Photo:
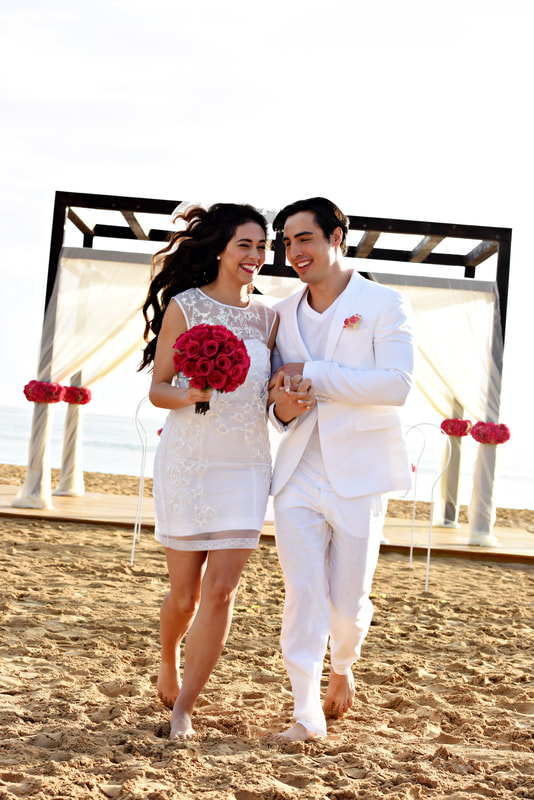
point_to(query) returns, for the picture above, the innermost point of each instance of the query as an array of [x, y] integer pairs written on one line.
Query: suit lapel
[[347, 306]]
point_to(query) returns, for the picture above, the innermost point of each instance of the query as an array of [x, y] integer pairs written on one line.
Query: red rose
[[210, 348], [217, 380], [203, 332], [198, 382], [223, 363], [240, 356], [203, 366], [192, 349], [220, 333], [188, 366], [228, 348], [237, 377]]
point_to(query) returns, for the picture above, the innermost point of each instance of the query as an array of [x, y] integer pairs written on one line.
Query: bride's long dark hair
[[190, 260]]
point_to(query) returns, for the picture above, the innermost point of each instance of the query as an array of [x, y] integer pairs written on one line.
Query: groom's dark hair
[[327, 215]]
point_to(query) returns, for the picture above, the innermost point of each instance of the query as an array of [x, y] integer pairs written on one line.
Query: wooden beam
[[480, 253], [135, 225], [80, 224], [386, 225], [383, 254], [366, 243], [122, 203], [122, 232], [424, 247]]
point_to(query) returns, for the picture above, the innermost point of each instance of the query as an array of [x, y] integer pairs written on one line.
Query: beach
[[444, 704]]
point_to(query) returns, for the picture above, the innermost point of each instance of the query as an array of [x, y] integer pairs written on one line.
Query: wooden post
[[452, 476]]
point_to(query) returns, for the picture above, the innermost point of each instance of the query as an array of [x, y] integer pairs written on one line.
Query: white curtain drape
[[91, 325], [460, 352]]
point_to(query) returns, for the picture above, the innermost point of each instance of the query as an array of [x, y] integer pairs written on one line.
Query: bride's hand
[[197, 395]]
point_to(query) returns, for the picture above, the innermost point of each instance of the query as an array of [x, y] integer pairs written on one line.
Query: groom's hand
[[294, 369], [291, 394]]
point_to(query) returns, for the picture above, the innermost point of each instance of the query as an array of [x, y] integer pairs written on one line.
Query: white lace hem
[[182, 543]]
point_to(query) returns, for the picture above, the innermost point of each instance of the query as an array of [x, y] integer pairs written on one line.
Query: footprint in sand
[[114, 689], [48, 740], [524, 708]]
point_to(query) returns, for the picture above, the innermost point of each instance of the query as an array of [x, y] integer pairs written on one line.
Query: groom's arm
[[388, 383]]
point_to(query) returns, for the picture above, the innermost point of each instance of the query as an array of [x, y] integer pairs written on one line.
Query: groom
[[340, 455]]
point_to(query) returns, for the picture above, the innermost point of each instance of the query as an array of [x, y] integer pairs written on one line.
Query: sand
[[444, 704]]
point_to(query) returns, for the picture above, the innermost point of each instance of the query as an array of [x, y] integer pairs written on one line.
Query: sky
[[410, 110]]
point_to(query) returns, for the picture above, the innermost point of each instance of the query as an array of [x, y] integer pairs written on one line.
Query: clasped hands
[[292, 394]]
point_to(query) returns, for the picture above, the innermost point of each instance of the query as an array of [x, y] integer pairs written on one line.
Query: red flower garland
[[44, 392], [211, 356], [456, 427], [490, 433], [77, 395]]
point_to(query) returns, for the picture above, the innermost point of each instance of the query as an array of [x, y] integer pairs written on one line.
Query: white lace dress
[[212, 472]]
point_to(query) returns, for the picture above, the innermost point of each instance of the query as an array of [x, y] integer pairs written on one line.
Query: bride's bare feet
[[168, 683], [298, 733], [339, 695], [181, 727]]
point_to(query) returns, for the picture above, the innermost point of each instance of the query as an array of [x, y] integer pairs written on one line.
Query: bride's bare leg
[[208, 633], [176, 616]]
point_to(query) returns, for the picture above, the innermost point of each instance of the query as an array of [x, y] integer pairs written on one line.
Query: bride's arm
[[162, 393]]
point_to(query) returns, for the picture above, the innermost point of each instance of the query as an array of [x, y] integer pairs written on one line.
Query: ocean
[[112, 444]]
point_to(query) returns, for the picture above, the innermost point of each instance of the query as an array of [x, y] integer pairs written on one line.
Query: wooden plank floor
[[515, 544]]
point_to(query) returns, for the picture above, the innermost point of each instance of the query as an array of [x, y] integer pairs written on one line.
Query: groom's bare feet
[[298, 733], [339, 695], [181, 727], [168, 683]]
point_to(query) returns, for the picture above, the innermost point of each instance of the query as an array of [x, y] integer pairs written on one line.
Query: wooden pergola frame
[[481, 242], [491, 240]]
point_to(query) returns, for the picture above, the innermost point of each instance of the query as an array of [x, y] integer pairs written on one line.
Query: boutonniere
[[353, 323]]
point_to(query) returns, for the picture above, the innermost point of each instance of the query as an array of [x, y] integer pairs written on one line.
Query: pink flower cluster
[[212, 357], [353, 323], [456, 427], [44, 392], [77, 395], [482, 432], [490, 433]]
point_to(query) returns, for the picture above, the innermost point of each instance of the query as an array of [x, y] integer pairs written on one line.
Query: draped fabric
[[93, 323], [459, 366]]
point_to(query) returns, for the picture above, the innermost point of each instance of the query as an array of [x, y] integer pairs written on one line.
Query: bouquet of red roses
[[212, 357]]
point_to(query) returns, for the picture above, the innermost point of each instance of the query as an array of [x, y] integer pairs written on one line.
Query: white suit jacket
[[364, 375]]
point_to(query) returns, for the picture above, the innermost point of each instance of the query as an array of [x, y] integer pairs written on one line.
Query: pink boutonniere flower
[[353, 323]]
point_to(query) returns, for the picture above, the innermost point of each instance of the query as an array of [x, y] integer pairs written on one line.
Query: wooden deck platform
[[516, 545]]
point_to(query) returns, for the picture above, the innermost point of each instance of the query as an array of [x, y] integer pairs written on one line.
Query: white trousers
[[328, 548]]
